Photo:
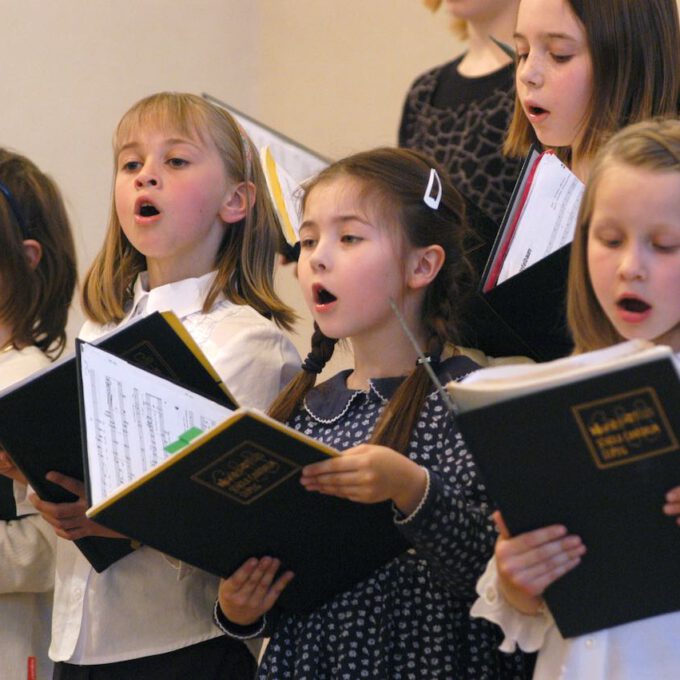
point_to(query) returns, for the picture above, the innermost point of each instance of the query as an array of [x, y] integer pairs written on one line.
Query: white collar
[[183, 297]]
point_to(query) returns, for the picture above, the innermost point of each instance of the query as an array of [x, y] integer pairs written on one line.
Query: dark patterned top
[[461, 123], [410, 619]]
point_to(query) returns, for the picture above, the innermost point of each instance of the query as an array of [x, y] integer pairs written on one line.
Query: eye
[[350, 238], [561, 58], [521, 55], [307, 243], [130, 166], [666, 248], [177, 162]]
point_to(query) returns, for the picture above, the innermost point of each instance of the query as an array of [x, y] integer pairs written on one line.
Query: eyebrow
[[339, 218], [172, 141], [549, 35]]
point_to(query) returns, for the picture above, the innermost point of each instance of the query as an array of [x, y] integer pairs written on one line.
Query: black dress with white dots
[[410, 619]]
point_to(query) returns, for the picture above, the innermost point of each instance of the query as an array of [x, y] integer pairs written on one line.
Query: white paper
[[498, 383], [130, 416], [548, 218]]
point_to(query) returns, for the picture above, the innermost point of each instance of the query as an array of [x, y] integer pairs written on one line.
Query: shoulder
[[16, 365], [456, 368], [91, 330], [228, 320], [432, 75]]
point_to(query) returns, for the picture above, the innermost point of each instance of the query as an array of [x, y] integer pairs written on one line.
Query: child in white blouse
[[37, 279], [624, 280], [192, 229]]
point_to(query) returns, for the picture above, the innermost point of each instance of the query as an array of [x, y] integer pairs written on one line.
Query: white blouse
[[27, 559], [648, 649], [145, 604]]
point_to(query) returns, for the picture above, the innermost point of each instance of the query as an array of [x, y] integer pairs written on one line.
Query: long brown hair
[[393, 182], [650, 145], [246, 257], [635, 52], [35, 300]]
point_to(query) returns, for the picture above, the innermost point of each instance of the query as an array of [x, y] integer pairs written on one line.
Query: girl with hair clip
[[37, 279], [624, 280], [377, 227], [586, 68], [192, 230]]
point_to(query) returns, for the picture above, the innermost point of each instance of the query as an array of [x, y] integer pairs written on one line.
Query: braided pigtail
[[294, 393]]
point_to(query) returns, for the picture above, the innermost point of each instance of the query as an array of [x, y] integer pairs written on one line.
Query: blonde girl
[[191, 230], [624, 280]]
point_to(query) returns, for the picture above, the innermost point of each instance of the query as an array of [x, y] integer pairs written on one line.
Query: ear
[[237, 202], [423, 265], [33, 251]]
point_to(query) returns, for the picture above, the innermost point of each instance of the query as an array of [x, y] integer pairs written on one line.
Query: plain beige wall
[[330, 74]]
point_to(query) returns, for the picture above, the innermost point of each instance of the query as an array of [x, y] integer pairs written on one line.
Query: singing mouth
[[322, 296], [536, 110], [635, 305], [146, 209]]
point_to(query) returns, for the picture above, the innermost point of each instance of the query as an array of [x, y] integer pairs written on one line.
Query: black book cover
[[40, 417], [8, 506], [525, 314], [235, 493], [598, 456]]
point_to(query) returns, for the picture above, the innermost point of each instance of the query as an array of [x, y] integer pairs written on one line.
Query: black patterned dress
[[461, 123], [410, 619]]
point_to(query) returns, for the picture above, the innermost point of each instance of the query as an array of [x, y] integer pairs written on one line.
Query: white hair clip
[[429, 199]]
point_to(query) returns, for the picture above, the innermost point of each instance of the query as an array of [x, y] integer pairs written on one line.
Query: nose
[[632, 265], [319, 259], [147, 177], [530, 71]]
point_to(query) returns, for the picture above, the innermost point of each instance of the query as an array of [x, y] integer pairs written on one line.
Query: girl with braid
[[379, 227]]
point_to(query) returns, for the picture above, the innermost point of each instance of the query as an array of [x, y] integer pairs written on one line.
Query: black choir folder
[[40, 417], [590, 442], [520, 306], [233, 492]]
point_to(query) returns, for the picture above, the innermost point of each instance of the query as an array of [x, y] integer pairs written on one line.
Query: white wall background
[[331, 74]]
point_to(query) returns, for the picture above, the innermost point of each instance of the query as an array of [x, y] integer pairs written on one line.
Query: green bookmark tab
[[183, 440]]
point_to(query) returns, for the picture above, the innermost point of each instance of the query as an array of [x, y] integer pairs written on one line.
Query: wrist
[[413, 490], [531, 605]]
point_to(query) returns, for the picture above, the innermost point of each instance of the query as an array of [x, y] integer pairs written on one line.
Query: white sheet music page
[[130, 416], [548, 219]]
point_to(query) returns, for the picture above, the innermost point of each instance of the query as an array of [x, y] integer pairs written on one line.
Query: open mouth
[[323, 296], [147, 210], [634, 305], [537, 110]]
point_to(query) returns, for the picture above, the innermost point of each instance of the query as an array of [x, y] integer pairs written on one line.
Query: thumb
[[500, 524]]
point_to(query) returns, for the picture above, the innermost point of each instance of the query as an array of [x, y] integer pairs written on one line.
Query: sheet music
[[130, 416], [301, 163], [548, 219]]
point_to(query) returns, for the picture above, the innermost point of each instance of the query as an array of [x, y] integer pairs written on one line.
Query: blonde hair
[[635, 52], [35, 300], [458, 27], [651, 145], [245, 259]]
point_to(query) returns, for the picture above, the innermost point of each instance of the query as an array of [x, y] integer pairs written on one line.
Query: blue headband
[[15, 209]]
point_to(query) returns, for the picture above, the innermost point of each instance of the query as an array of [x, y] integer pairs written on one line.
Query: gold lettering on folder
[[145, 355], [246, 472], [625, 428]]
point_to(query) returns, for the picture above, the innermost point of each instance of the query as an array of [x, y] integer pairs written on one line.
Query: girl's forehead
[[160, 123], [343, 195]]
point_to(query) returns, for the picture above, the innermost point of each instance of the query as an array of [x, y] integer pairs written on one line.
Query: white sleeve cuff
[[399, 517], [523, 630]]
